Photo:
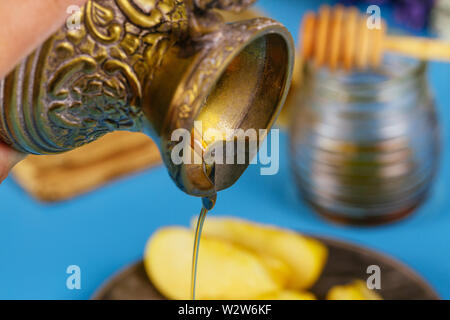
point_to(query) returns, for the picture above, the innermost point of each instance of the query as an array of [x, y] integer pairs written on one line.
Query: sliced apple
[[305, 256], [288, 295], [357, 290], [225, 271], [278, 269]]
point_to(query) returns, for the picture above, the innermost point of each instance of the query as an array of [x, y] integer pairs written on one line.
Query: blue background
[[107, 229]]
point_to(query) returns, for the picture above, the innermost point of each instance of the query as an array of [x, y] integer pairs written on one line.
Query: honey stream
[[208, 204]]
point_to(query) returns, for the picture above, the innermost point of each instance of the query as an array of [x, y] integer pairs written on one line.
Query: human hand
[[25, 25]]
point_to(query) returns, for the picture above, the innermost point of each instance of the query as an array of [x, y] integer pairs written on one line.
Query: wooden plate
[[346, 262]]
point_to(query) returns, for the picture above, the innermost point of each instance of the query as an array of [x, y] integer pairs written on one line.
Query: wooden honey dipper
[[339, 37]]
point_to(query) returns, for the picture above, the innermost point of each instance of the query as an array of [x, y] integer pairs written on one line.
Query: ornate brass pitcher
[[152, 66]]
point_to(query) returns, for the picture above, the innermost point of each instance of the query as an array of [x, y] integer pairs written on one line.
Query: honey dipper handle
[[422, 48]]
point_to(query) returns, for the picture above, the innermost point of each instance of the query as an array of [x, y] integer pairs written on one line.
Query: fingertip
[[26, 24], [8, 159]]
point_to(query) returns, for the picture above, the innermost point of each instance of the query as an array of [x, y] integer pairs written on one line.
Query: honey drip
[[208, 204]]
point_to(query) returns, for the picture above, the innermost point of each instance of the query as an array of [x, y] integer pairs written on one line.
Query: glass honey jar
[[365, 145]]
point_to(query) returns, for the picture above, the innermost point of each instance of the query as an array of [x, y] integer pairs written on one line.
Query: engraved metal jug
[[153, 66]]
